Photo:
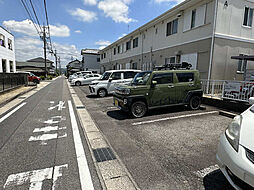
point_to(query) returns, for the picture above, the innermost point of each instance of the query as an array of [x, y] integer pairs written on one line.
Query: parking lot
[[171, 148]]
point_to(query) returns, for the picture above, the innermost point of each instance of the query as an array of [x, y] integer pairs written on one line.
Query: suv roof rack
[[174, 66]]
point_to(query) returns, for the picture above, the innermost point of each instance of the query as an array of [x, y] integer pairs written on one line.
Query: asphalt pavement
[[172, 148], [37, 149]]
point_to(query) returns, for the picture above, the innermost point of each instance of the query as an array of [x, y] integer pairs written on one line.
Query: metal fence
[[231, 90], [12, 80]]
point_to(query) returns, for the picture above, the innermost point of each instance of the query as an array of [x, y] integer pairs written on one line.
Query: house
[[204, 33], [7, 52], [73, 67], [90, 60], [36, 66]]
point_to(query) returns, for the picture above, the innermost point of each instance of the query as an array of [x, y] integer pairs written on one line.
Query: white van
[[106, 84]]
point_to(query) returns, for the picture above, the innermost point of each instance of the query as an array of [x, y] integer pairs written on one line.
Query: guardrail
[[12, 80], [231, 90]]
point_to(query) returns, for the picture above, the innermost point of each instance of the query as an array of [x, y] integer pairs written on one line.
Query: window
[[185, 77], [2, 40], [134, 66], [98, 59], [118, 49], [11, 66], [116, 76], [135, 43], [172, 27], [114, 51], [156, 31], [248, 17], [193, 18], [170, 60], [10, 44], [104, 55], [101, 56], [242, 65], [129, 75], [128, 45], [164, 78]]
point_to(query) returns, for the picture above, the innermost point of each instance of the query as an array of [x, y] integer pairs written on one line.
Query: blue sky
[[77, 24]]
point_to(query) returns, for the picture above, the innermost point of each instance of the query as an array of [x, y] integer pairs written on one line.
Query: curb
[[227, 114], [112, 173], [14, 97]]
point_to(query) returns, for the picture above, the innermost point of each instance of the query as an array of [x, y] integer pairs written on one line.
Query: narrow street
[[38, 143]]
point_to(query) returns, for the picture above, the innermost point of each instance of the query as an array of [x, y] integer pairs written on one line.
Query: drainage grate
[[80, 107], [103, 154]]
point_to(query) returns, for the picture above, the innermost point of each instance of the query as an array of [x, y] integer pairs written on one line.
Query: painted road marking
[[59, 106], [11, 112], [202, 173], [35, 177], [48, 129], [54, 120], [173, 118], [84, 173]]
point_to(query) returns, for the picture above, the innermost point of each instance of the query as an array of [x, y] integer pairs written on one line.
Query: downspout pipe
[[212, 46]]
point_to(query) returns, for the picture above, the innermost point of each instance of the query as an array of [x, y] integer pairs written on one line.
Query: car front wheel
[[138, 109], [78, 83], [195, 102], [102, 93]]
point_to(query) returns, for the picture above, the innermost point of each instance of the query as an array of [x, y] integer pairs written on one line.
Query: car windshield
[[141, 78], [105, 76]]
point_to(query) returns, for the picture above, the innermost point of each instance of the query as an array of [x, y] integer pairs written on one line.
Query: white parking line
[[202, 173], [11, 112], [176, 117], [84, 173]]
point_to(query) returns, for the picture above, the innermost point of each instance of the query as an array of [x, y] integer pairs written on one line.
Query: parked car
[[155, 89], [78, 74], [87, 79], [33, 78], [235, 155], [106, 84]]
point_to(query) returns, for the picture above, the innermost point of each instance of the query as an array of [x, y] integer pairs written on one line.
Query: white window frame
[[248, 22]]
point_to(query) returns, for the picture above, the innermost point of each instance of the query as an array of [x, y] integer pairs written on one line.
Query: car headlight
[[127, 91], [233, 132]]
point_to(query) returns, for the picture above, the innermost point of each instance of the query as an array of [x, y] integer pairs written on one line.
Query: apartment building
[[7, 52], [204, 33], [90, 60]]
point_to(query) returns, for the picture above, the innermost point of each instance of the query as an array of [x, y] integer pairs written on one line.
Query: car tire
[[195, 102], [78, 83], [36, 81], [138, 109], [102, 93]]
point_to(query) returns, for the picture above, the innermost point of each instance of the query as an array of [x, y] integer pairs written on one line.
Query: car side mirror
[[251, 100], [154, 82], [110, 79]]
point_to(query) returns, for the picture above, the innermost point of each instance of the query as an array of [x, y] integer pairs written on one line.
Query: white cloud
[[28, 48], [102, 44], [168, 1], [90, 2], [78, 31], [118, 10], [83, 15], [27, 27]]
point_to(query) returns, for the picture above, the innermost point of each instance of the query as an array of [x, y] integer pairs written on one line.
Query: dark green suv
[[155, 89]]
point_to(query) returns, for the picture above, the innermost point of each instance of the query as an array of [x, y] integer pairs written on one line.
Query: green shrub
[[49, 77], [42, 77]]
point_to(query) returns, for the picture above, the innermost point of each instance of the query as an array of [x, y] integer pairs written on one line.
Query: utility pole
[[45, 44], [60, 72], [56, 60]]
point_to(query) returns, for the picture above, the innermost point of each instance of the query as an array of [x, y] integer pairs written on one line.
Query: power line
[[46, 13], [38, 22], [29, 14]]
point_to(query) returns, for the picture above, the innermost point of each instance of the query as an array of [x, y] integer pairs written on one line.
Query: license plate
[[116, 103]]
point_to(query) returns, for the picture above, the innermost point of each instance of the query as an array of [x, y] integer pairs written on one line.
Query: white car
[[235, 155], [83, 80], [79, 74], [108, 81]]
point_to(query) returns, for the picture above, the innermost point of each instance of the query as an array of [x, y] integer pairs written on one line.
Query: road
[[171, 148], [46, 143], [39, 143]]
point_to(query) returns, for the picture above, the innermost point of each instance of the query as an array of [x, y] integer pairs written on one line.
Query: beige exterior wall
[[223, 66]]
